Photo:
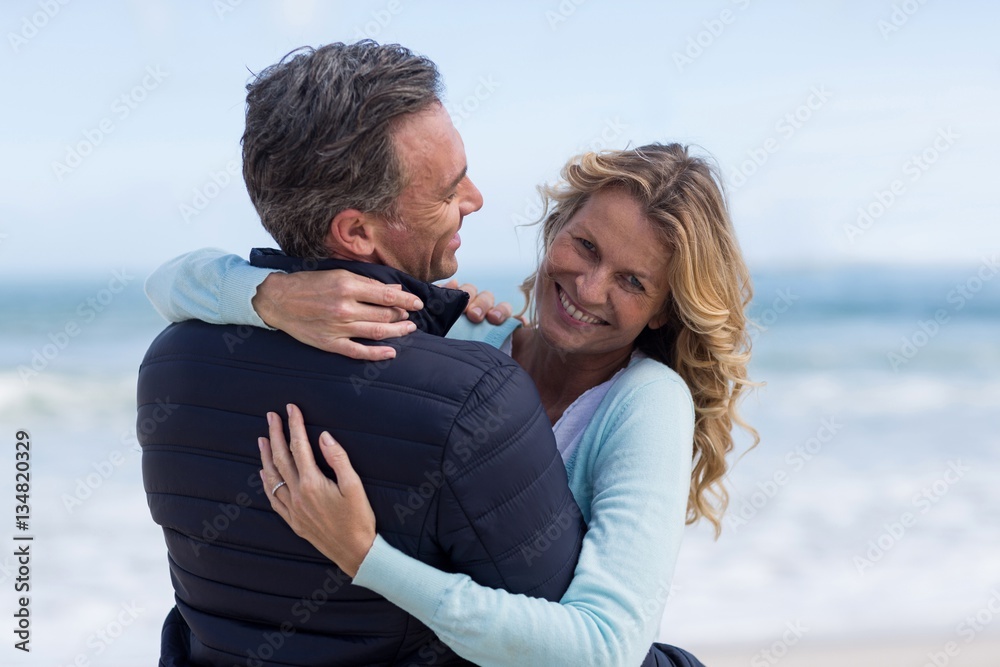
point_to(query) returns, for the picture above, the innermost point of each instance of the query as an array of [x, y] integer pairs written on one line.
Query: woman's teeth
[[576, 314]]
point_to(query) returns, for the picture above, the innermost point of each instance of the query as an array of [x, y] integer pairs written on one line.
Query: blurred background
[[857, 141]]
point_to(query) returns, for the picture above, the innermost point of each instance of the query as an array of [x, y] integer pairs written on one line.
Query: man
[[351, 162]]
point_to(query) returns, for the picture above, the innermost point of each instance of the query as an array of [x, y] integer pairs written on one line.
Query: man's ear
[[351, 235]]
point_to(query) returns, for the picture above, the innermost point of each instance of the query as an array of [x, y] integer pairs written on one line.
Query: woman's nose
[[591, 288]]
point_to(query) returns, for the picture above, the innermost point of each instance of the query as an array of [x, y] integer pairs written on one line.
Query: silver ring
[[276, 487]]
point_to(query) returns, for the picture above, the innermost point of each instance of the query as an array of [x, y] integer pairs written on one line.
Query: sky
[[847, 131]]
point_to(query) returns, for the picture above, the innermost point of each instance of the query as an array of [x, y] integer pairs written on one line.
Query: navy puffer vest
[[456, 454]]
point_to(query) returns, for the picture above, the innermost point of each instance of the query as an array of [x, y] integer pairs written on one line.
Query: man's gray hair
[[319, 137]]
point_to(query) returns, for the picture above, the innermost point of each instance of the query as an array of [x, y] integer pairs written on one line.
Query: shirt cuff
[[494, 335], [415, 587], [236, 292]]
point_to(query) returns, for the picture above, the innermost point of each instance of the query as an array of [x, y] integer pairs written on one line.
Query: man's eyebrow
[[454, 183]]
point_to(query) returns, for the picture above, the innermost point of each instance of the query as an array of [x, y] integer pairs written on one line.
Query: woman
[[639, 349]]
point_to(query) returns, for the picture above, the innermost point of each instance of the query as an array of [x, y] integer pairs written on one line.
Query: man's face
[[438, 195]]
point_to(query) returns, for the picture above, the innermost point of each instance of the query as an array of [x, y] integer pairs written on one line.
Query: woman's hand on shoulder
[[481, 304], [326, 309]]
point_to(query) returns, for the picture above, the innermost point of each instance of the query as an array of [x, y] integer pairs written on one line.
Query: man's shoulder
[[424, 362]]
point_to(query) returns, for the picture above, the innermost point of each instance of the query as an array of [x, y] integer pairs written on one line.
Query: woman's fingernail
[[290, 408], [496, 313], [261, 442], [411, 327], [326, 439], [478, 312], [417, 304], [270, 418]]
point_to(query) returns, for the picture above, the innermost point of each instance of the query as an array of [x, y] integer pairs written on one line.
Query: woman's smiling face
[[603, 279]]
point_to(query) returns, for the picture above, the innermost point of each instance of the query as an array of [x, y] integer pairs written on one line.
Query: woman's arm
[[610, 614], [207, 285], [323, 309]]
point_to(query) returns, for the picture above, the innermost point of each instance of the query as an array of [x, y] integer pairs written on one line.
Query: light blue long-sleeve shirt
[[630, 476]]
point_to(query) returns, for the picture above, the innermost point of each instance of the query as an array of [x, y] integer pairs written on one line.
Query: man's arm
[[506, 515]]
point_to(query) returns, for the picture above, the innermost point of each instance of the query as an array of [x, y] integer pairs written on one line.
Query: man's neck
[[442, 306]]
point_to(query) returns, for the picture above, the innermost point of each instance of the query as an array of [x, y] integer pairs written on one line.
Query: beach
[[863, 526], [887, 652]]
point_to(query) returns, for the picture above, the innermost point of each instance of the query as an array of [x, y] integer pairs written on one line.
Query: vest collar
[[442, 306]]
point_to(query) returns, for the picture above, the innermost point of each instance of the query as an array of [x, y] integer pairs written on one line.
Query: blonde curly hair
[[706, 339]]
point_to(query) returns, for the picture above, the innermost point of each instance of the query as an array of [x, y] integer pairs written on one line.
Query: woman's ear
[[659, 320], [663, 316], [351, 235]]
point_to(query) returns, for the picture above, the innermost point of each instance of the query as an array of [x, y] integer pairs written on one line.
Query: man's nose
[[472, 198]]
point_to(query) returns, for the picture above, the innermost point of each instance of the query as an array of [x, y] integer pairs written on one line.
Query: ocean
[[870, 508]]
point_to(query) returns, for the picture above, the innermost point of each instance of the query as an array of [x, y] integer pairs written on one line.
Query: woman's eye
[[587, 244], [635, 282]]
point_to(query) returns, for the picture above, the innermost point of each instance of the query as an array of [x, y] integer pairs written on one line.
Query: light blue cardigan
[[630, 476]]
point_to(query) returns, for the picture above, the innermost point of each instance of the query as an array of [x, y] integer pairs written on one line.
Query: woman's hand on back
[[326, 309], [335, 517]]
